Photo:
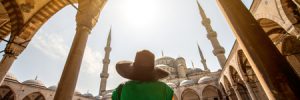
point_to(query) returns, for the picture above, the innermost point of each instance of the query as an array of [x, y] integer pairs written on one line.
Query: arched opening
[[223, 91], [35, 96], [189, 94], [211, 93], [291, 9], [250, 76], [239, 84], [6, 93], [279, 36], [229, 90]]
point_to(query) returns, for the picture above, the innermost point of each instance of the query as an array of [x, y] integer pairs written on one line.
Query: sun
[[140, 12]]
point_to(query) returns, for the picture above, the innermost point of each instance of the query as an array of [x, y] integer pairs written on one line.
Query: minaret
[[212, 36], [104, 75], [203, 60]]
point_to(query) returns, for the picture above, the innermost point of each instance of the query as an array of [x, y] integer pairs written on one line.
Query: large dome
[[53, 88], [205, 79], [165, 61], [34, 83], [11, 76], [186, 82]]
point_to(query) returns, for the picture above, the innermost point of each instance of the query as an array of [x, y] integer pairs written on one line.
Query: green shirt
[[136, 90]]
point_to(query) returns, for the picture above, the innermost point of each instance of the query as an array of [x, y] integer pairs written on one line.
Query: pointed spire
[[203, 60], [202, 13], [193, 65], [162, 53], [109, 38], [36, 77]]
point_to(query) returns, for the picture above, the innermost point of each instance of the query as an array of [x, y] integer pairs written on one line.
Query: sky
[[169, 26]]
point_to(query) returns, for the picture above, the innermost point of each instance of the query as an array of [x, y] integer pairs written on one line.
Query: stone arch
[[268, 23], [250, 76], [290, 10], [239, 84], [35, 96], [223, 91], [14, 12], [189, 94], [286, 43], [229, 90], [7, 93], [38, 19], [211, 93]]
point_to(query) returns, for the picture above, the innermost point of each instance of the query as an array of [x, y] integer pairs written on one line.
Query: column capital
[[14, 50], [83, 29]]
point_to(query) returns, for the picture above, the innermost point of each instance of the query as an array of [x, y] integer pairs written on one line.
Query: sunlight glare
[[140, 13]]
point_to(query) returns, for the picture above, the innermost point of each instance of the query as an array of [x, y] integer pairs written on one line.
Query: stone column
[[86, 18], [12, 51], [5, 65], [266, 61], [250, 90], [236, 91]]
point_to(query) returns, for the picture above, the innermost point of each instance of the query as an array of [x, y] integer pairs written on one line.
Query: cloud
[[54, 46], [92, 59]]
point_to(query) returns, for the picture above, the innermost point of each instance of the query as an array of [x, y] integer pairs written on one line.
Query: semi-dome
[[186, 82], [77, 92], [11, 76], [172, 85], [162, 66], [34, 83], [53, 88], [108, 95], [205, 79], [98, 97], [88, 95]]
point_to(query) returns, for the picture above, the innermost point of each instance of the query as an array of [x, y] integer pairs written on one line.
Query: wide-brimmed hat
[[142, 69]]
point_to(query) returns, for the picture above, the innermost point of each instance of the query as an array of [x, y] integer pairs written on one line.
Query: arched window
[[6, 93], [211, 93], [35, 96], [189, 94]]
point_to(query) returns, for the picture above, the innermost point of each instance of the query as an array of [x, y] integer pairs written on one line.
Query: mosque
[[264, 62]]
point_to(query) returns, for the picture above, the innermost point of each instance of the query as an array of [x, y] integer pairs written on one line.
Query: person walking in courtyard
[[143, 78]]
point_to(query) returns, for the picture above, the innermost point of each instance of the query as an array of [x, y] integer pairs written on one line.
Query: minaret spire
[[212, 36], [104, 75], [203, 60]]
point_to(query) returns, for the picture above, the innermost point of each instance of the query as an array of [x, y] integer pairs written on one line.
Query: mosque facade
[[263, 63], [13, 89]]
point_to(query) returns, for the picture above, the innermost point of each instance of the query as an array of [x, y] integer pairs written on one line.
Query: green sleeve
[[170, 93], [115, 95]]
